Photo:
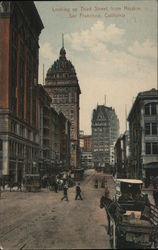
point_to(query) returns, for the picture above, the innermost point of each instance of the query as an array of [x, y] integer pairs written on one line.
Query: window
[[155, 147], [153, 108], [1, 145], [147, 109], [150, 109], [154, 128], [147, 128], [148, 148]]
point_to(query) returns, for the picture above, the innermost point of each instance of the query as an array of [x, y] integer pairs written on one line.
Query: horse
[[112, 210], [13, 184], [2, 183]]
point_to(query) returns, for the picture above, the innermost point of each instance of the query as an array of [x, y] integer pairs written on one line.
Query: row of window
[[150, 109], [151, 148], [21, 150], [23, 132], [151, 128], [102, 123], [101, 149]]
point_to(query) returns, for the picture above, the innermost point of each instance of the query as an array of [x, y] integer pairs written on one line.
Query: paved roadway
[[41, 220]]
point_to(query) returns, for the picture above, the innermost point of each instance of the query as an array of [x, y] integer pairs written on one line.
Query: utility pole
[[43, 75], [62, 40], [105, 99], [126, 116]]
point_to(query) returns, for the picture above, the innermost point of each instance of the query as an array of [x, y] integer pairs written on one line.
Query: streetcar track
[[26, 239]]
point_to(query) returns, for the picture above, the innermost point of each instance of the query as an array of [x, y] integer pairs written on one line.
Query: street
[[42, 220]]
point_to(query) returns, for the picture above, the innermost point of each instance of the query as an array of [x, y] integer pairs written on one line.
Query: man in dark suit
[[78, 192]]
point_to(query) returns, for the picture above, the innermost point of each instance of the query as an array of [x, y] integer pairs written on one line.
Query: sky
[[112, 45]]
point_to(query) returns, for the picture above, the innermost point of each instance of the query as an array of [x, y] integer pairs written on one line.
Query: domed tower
[[61, 83]]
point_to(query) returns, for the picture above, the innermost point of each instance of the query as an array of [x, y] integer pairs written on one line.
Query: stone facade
[[105, 130], [61, 83], [143, 127]]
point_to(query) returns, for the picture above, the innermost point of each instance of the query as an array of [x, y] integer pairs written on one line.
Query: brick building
[[54, 131], [20, 27], [61, 83], [85, 150], [88, 142]]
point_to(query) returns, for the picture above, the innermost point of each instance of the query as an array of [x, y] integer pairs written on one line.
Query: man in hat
[[65, 192], [78, 192]]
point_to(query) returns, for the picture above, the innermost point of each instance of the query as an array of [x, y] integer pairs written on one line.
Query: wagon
[[78, 173], [133, 220], [32, 183], [138, 224]]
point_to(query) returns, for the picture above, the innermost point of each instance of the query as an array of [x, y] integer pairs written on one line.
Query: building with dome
[[62, 85]]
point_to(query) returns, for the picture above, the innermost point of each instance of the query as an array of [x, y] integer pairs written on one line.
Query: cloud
[[97, 34], [146, 49], [112, 67], [46, 51], [109, 54], [107, 65]]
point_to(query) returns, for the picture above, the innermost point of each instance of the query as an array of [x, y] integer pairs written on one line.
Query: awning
[[130, 181], [152, 165]]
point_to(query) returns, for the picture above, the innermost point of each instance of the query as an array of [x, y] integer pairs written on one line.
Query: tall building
[[61, 83], [105, 130], [143, 129], [20, 27], [85, 150]]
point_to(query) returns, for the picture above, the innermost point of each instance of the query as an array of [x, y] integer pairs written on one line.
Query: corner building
[[61, 83], [20, 27], [143, 129]]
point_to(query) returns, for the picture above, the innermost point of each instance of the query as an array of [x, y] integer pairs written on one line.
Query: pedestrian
[[3, 184], [19, 186], [78, 192], [56, 186], [96, 183], [65, 189]]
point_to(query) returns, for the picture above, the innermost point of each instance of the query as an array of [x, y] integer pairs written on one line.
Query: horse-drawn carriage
[[133, 221], [78, 173], [32, 183]]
